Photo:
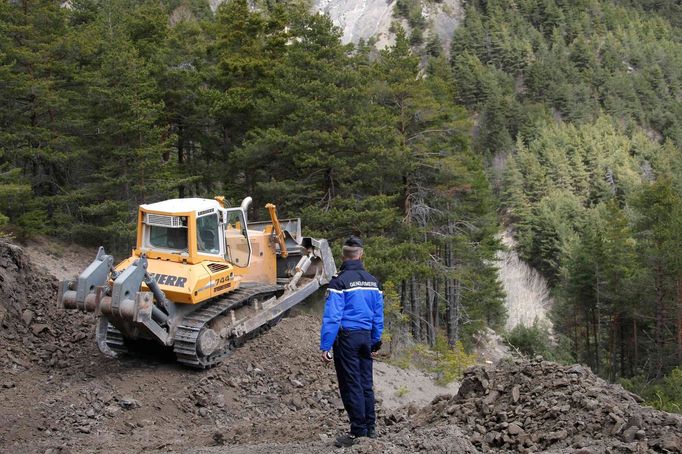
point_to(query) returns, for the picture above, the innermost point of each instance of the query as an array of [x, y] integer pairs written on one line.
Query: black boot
[[345, 440], [372, 433]]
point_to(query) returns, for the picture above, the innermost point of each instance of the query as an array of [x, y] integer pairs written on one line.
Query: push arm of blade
[[279, 234], [158, 293], [94, 275], [77, 294], [322, 250], [127, 284]]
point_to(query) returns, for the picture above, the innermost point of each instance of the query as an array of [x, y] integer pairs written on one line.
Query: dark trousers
[[353, 363]]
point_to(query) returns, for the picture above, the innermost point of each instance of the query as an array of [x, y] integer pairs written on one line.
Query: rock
[[618, 423], [556, 436], [671, 442], [297, 383], [338, 404], [514, 429], [490, 437], [629, 434], [516, 393], [84, 429], [491, 398], [27, 316], [90, 413], [218, 438], [128, 403], [297, 402], [203, 412], [8, 385], [441, 397], [39, 328], [576, 369]]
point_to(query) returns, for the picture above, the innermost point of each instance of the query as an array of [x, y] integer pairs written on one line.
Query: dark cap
[[353, 241]]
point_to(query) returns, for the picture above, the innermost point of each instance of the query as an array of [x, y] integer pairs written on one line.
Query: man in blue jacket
[[352, 323]]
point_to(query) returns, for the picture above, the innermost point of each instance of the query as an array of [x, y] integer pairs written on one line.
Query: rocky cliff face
[[360, 19], [364, 19]]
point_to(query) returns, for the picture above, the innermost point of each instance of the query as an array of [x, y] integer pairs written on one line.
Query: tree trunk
[[659, 316], [430, 297], [424, 314], [621, 341], [414, 309], [614, 330], [453, 301], [454, 315], [588, 345], [595, 323], [436, 313], [678, 321], [636, 347], [181, 157]]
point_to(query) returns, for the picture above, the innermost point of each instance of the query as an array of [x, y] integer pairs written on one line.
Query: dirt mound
[[33, 330], [528, 406], [270, 390]]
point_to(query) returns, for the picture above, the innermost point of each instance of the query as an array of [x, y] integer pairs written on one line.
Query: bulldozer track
[[187, 333]]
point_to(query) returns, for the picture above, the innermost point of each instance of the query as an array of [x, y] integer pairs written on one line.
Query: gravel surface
[[58, 394]]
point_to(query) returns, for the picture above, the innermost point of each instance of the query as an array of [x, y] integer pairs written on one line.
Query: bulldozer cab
[[169, 231]]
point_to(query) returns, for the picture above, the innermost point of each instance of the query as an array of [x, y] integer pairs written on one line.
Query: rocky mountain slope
[[365, 19]]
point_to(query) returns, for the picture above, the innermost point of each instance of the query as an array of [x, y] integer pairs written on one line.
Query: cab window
[[168, 238], [207, 234]]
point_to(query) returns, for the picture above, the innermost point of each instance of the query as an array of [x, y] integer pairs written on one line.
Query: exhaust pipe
[[246, 203]]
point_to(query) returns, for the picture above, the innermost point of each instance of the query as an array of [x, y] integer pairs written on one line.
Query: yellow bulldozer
[[200, 280]]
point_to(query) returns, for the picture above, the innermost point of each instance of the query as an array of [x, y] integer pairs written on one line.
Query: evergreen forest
[[560, 121]]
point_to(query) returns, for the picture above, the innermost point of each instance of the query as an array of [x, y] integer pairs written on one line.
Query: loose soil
[[58, 394]]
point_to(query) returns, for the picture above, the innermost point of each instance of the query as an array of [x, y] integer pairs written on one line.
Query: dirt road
[[59, 394]]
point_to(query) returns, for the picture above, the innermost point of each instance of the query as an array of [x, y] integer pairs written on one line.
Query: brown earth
[[58, 394]]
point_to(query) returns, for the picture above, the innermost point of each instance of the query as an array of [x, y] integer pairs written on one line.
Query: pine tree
[[35, 144]]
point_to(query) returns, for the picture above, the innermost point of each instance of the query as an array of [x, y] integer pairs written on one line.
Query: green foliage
[[446, 361], [536, 340], [402, 391], [665, 394], [411, 10], [581, 59], [451, 361]]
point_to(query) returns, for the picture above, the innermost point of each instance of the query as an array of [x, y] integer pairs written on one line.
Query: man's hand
[[375, 349], [327, 357]]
